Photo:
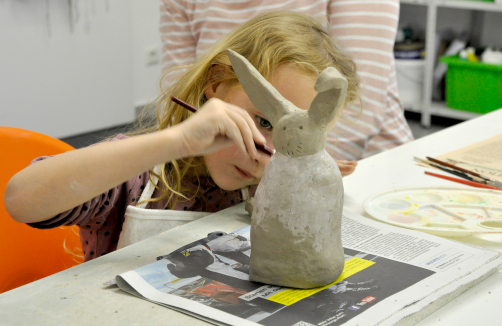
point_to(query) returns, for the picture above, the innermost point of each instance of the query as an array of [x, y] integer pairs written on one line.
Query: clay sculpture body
[[297, 208]]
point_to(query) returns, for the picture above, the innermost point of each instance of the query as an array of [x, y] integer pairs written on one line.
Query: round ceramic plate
[[444, 211]]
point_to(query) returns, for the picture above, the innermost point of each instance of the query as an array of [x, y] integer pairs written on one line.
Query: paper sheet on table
[[484, 157], [391, 276]]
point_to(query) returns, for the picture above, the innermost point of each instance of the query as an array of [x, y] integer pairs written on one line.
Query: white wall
[[145, 37], [62, 82]]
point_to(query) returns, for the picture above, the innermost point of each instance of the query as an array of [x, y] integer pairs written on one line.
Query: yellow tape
[[290, 296]]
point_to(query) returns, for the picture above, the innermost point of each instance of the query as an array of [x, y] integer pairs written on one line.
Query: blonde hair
[[267, 41]]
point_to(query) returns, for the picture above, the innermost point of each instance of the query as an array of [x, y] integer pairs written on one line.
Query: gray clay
[[297, 210]]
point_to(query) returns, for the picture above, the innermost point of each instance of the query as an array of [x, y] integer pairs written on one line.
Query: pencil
[[466, 182], [264, 148]]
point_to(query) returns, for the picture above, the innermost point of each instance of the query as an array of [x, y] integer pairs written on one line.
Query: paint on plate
[[411, 209], [426, 197], [404, 219], [429, 212], [437, 208], [393, 205], [466, 198], [471, 215]]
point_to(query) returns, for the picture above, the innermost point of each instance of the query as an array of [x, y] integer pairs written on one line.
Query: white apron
[[141, 223]]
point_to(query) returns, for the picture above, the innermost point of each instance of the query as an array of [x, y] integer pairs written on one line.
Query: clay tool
[[485, 179], [264, 148], [466, 182]]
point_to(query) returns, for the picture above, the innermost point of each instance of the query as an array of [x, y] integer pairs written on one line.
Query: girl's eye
[[264, 123]]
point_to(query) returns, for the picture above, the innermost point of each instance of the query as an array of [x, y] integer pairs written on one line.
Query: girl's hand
[[346, 167], [218, 125]]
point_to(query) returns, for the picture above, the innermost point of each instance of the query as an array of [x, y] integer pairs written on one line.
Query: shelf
[[470, 5], [413, 108], [477, 8], [415, 2], [461, 4], [439, 109]]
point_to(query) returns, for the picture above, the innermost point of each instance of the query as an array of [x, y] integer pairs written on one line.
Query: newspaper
[[484, 157], [390, 273]]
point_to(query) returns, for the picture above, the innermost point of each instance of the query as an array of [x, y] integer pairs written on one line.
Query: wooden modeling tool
[[264, 148], [466, 182], [484, 179]]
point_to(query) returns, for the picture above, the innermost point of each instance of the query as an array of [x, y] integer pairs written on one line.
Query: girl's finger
[[229, 128], [346, 167], [257, 135], [245, 127]]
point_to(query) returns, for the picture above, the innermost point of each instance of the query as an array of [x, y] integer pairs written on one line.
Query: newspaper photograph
[[215, 272], [209, 278]]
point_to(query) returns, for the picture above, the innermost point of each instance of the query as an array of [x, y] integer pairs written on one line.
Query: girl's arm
[[47, 188]]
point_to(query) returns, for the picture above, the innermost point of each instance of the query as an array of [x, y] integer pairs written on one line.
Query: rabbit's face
[[296, 134], [229, 167]]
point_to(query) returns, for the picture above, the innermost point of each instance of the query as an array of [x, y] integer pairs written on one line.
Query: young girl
[[201, 160]]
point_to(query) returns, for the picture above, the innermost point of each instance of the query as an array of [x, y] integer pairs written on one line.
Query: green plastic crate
[[473, 86]]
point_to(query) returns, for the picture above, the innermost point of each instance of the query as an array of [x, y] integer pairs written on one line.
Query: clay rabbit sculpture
[[297, 209]]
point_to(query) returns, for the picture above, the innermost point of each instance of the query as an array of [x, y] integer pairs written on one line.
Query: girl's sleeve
[[97, 210], [178, 42]]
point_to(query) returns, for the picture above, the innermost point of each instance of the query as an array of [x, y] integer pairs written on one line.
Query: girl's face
[[229, 168]]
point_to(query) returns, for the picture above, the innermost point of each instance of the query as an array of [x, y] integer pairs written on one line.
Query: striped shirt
[[366, 28]]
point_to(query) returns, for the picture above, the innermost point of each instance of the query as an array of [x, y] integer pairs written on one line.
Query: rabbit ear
[[261, 93], [332, 89]]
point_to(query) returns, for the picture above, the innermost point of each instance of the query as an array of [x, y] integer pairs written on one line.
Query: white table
[[77, 296], [395, 168]]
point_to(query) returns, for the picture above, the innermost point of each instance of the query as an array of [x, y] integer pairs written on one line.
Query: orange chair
[[28, 254]]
